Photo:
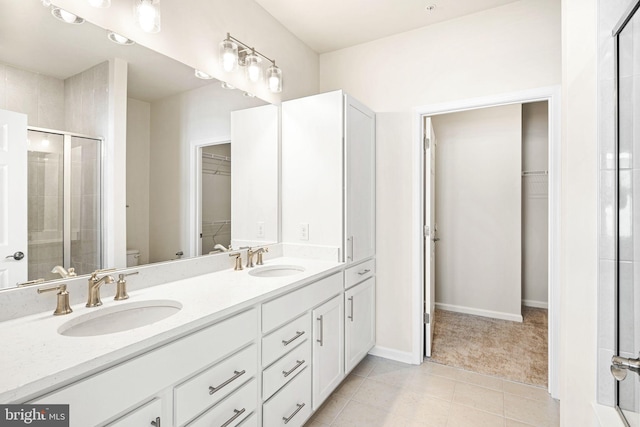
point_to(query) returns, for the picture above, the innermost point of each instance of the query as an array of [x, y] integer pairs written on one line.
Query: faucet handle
[[121, 287], [30, 282], [238, 261], [62, 306], [105, 270], [71, 272]]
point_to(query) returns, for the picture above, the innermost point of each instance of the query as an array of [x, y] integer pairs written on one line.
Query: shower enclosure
[[64, 189]]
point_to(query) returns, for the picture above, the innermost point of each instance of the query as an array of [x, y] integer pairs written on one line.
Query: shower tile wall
[[39, 96], [609, 12], [86, 101]]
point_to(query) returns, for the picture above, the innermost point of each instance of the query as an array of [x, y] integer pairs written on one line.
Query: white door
[[13, 198], [430, 229]]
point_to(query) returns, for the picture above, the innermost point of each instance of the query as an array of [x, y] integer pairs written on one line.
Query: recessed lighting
[[226, 85], [430, 8], [249, 95], [202, 75], [65, 16], [117, 38]]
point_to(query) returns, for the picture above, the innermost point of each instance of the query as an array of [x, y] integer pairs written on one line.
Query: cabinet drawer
[[233, 410], [153, 371], [285, 369], [285, 308], [358, 273], [292, 403], [252, 421], [284, 339], [141, 416], [209, 387]]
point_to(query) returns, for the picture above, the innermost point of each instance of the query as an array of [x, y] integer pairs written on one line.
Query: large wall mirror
[[201, 159]]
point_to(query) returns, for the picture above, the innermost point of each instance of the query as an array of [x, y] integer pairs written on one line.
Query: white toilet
[[132, 257]]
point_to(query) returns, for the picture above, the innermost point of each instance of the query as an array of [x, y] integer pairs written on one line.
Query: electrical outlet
[[304, 231], [260, 230]]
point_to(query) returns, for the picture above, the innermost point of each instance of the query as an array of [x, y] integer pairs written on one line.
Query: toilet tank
[[132, 257]]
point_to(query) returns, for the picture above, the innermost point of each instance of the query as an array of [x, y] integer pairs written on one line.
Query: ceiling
[[328, 25]]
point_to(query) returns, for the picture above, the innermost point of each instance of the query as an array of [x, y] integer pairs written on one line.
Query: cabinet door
[[360, 329], [328, 349], [360, 181]]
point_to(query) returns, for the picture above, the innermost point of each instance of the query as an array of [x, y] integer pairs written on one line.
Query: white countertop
[[35, 358]]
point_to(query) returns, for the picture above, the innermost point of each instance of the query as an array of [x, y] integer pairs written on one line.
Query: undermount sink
[[119, 318], [276, 270]]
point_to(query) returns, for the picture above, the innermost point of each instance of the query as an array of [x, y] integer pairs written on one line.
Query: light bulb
[[67, 16], [254, 71], [148, 16], [100, 3], [274, 79], [228, 55]]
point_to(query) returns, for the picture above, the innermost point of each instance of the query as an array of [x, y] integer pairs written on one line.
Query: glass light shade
[[228, 55], [100, 3], [253, 68], [147, 13], [65, 16], [46, 3], [274, 79], [119, 39]]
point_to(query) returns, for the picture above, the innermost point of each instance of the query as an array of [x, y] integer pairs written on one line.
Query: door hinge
[[426, 231], [426, 143], [426, 318]]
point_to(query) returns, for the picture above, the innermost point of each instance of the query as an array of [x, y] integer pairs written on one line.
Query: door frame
[[551, 94], [194, 217]]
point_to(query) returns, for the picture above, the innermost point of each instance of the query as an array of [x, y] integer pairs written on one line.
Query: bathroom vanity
[[245, 348]]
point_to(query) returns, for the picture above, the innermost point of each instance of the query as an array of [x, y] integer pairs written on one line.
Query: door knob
[[435, 239], [17, 256], [620, 366]]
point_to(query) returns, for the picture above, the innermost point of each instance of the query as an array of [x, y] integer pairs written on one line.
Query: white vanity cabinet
[[359, 322], [328, 174], [328, 349], [117, 393]]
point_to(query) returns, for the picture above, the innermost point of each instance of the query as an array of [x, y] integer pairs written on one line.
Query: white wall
[[535, 205], [138, 141], [579, 213], [191, 31], [478, 211], [509, 48]]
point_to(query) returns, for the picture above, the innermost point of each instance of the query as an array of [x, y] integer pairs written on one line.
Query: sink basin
[[119, 318], [276, 270]]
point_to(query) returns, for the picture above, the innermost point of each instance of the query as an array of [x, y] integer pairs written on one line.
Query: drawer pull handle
[[235, 416], [321, 339], [289, 372], [351, 315], [156, 423], [298, 335], [233, 378], [363, 272], [290, 417]]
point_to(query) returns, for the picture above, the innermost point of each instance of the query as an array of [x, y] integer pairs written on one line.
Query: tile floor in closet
[[381, 392]]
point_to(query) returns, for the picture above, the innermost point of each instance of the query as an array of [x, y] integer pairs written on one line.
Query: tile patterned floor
[[381, 392]]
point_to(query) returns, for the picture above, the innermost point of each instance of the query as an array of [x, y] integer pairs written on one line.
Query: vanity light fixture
[[234, 53], [65, 16], [147, 14], [100, 3], [119, 39], [202, 75]]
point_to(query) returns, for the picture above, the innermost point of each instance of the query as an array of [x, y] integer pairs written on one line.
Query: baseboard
[[479, 312], [535, 304], [392, 354]]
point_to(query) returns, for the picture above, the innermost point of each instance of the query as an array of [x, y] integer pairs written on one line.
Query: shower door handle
[[620, 366], [17, 256]]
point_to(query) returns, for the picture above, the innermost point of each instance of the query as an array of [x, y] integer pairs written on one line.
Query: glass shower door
[[64, 203], [625, 366]]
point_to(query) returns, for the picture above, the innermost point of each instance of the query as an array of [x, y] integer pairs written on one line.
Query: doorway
[[215, 196], [424, 298]]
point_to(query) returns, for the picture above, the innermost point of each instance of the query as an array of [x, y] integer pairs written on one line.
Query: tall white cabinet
[[328, 174]]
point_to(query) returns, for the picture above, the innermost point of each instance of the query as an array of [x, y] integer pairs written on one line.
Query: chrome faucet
[[93, 299], [258, 252]]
